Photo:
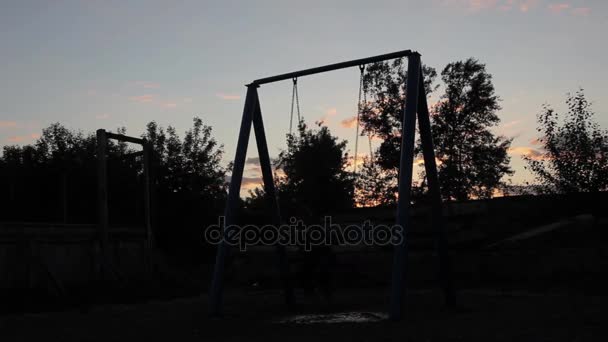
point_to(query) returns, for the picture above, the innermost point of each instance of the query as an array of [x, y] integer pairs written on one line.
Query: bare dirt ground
[[257, 316]]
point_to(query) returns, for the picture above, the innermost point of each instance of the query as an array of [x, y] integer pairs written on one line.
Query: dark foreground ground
[[260, 316]]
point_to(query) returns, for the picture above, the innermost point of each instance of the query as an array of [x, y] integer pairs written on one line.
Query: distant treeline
[[54, 179]]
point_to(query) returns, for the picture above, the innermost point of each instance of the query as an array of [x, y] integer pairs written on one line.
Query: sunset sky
[[105, 64]]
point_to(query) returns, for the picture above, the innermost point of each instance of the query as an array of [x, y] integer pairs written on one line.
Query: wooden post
[[437, 219], [405, 185], [233, 199], [271, 197]]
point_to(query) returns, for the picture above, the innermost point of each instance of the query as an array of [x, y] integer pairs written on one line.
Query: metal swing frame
[[415, 106]]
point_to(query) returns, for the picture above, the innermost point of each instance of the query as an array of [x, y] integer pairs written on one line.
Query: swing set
[[415, 106]]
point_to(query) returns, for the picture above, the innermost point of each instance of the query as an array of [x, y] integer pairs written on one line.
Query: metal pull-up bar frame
[[415, 105]]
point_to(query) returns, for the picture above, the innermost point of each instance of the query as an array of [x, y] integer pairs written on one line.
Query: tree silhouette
[[472, 160], [375, 186], [575, 154], [54, 180], [382, 115], [191, 185], [312, 178]]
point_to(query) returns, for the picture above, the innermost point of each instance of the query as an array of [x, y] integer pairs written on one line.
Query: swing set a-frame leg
[[416, 103], [437, 218], [251, 114], [271, 198], [405, 187]]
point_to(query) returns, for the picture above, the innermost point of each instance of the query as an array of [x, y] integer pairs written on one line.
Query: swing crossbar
[[335, 66]]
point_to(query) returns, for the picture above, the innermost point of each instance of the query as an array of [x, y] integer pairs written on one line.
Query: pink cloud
[[478, 5], [143, 98], [169, 104], [23, 138], [558, 8], [511, 124], [526, 151], [8, 124], [349, 123], [361, 157], [581, 11], [102, 116], [525, 5], [147, 85], [500, 5], [228, 97], [326, 119]]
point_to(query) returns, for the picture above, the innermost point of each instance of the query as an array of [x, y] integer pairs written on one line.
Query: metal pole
[[147, 189], [437, 219], [233, 199], [102, 189], [336, 66], [405, 185], [271, 197]]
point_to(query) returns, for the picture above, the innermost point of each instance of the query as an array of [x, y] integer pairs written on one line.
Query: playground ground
[[485, 315]]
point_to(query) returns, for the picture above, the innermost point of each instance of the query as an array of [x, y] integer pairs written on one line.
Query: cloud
[[581, 11], [102, 116], [248, 183], [143, 98], [349, 123], [331, 112], [475, 6], [228, 97], [8, 124], [361, 158], [152, 98], [478, 5], [23, 138], [251, 182], [558, 8], [511, 124], [147, 85], [253, 161], [525, 5], [526, 151]]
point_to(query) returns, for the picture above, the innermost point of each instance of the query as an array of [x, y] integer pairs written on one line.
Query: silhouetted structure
[[415, 105]]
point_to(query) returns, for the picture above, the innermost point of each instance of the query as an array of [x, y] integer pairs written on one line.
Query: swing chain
[[362, 70], [294, 99]]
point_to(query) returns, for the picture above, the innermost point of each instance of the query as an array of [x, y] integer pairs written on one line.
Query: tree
[[375, 186], [382, 116], [472, 160], [55, 180], [191, 184], [312, 178], [575, 154]]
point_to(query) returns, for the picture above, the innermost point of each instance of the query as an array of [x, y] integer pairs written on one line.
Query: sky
[[106, 64]]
